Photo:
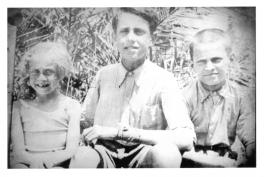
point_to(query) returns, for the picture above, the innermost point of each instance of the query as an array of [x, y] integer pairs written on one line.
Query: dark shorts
[[220, 149], [115, 155]]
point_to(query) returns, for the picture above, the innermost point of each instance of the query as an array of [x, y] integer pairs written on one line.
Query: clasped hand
[[98, 132]]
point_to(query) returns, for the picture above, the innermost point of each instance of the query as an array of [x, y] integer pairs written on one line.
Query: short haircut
[[210, 36], [144, 13], [56, 53]]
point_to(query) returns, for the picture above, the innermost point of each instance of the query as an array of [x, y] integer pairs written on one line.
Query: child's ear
[[231, 57], [151, 40]]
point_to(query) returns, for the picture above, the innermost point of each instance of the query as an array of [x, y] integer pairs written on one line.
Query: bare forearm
[[182, 138], [207, 160]]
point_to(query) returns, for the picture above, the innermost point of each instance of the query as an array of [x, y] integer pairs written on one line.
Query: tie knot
[[130, 73]]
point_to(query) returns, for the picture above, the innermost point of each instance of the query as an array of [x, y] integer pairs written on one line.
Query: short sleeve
[[175, 109]]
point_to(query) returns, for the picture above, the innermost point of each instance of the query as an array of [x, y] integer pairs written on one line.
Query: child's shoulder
[[22, 102], [70, 102], [71, 106], [16, 105]]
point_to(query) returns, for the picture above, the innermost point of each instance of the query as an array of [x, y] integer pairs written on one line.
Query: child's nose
[[131, 36], [42, 77], [209, 65]]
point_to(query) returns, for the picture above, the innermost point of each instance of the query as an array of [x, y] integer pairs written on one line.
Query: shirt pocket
[[152, 117]]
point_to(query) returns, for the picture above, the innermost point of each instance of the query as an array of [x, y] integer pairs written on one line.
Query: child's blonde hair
[[210, 36], [57, 54]]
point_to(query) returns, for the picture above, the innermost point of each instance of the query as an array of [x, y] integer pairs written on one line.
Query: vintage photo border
[[130, 172]]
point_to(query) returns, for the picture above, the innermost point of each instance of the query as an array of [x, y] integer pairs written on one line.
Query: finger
[[94, 141], [89, 137], [87, 134], [83, 137], [41, 165], [226, 154], [37, 165], [48, 164], [32, 166], [86, 131]]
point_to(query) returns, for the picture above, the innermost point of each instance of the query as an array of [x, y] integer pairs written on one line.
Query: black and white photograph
[[161, 87]]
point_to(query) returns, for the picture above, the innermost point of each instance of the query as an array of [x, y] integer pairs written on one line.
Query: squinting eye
[[124, 31], [201, 62], [48, 72], [139, 32], [34, 72], [216, 60]]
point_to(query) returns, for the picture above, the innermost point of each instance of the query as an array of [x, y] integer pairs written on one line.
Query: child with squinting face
[[45, 127], [219, 108]]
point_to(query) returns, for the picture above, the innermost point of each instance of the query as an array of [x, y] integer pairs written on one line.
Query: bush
[[88, 35]]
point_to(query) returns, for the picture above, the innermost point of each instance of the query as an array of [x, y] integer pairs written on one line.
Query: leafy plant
[[88, 35]]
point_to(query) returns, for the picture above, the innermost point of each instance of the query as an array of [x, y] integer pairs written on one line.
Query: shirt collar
[[137, 73], [223, 92]]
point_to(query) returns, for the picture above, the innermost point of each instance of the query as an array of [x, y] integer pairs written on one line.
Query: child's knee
[[19, 166], [165, 155], [85, 157]]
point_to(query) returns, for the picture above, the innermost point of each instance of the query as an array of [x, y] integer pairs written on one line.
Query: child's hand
[[48, 163], [211, 159], [36, 163], [99, 132], [41, 162]]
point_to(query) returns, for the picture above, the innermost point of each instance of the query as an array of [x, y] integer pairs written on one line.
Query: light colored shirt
[[147, 98], [219, 116], [46, 131]]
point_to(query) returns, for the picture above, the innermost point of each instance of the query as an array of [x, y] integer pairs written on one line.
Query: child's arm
[[246, 126], [73, 136], [17, 135], [211, 159]]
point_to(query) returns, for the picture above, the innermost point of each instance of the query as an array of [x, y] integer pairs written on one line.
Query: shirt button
[[130, 73]]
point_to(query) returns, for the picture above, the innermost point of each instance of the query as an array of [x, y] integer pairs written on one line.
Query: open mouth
[[211, 74], [130, 48], [42, 85]]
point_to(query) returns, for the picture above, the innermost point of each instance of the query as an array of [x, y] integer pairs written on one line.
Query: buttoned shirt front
[[153, 102], [219, 116]]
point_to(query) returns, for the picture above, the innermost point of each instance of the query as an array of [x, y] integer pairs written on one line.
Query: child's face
[[132, 37], [210, 63], [43, 77]]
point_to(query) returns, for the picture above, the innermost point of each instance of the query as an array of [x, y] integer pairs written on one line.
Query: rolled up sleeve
[[176, 111]]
